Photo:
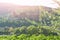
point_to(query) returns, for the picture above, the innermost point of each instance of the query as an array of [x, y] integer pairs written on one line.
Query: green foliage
[[47, 28], [32, 37]]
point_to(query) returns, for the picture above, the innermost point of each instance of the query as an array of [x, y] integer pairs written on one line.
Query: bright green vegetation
[[47, 28], [30, 37]]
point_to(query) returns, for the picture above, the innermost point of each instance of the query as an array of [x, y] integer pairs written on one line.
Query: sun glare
[[48, 3]]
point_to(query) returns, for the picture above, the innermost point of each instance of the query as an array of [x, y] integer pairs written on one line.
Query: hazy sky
[[48, 3]]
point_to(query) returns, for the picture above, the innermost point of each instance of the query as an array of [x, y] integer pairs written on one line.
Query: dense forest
[[46, 28]]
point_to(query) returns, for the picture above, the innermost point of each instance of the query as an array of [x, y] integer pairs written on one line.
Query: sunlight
[[48, 3]]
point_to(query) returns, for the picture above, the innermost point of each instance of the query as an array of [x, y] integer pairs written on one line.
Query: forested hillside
[[29, 23]]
